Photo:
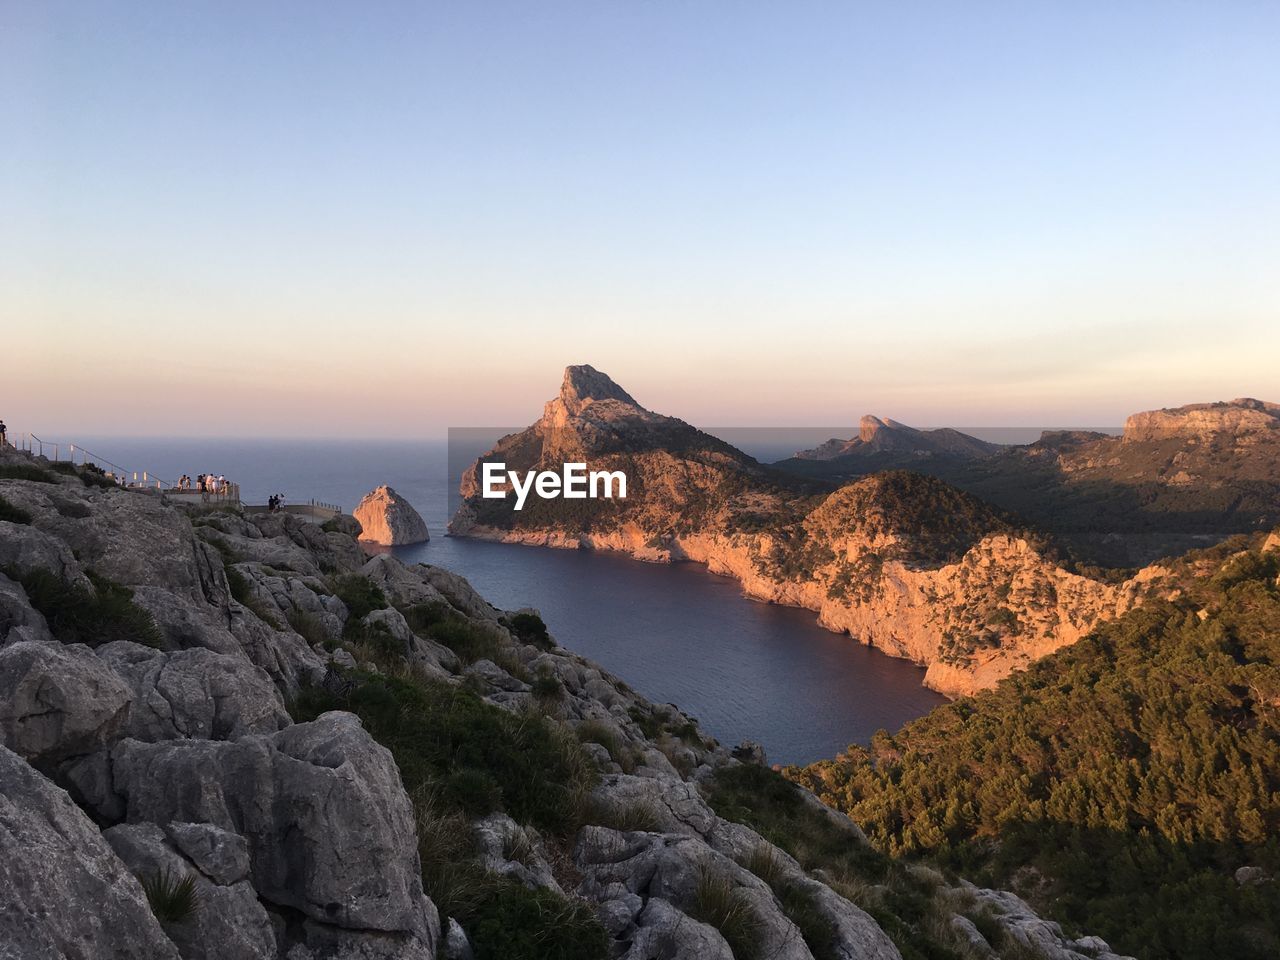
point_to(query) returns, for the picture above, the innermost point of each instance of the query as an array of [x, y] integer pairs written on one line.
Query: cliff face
[[387, 518], [348, 757], [900, 561]]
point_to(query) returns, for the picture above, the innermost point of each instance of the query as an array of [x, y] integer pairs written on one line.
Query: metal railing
[[229, 492]]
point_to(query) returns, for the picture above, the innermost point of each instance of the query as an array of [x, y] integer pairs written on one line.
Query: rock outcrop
[[387, 518], [900, 561], [896, 443], [1203, 421]]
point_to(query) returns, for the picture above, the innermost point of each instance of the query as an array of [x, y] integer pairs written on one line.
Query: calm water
[[673, 631]]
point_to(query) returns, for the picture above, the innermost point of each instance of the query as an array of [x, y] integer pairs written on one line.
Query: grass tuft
[[92, 617], [173, 899], [718, 903], [12, 513]]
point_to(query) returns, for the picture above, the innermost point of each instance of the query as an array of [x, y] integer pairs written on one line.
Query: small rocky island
[[387, 518], [241, 737]]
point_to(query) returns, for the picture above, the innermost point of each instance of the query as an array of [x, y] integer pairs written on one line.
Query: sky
[[382, 220]]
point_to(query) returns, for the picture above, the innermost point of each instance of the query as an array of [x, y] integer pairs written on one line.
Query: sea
[[678, 634]]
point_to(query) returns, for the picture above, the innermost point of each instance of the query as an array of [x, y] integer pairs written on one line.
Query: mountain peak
[[583, 383], [869, 426]]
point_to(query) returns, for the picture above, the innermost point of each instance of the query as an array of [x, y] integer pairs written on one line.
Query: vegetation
[[717, 902], [459, 758], [12, 514], [529, 628], [513, 921], [24, 471], [902, 901], [360, 595], [173, 898], [484, 758], [76, 614], [1118, 784], [471, 640]]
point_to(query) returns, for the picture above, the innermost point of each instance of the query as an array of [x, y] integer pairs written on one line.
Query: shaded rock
[[497, 834], [329, 827], [64, 894], [18, 619], [220, 855], [402, 585], [665, 933], [24, 548], [58, 701], [195, 693], [456, 944], [386, 517], [228, 922]]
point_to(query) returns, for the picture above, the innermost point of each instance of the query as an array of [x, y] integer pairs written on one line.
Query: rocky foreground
[[242, 737]]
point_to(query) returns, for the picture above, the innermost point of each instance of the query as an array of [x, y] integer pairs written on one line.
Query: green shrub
[[310, 628], [92, 617], [529, 628], [360, 595], [718, 903], [515, 923], [624, 816], [439, 733], [597, 731], [545, 686], [13, 514], [23, 471], [173, 899]]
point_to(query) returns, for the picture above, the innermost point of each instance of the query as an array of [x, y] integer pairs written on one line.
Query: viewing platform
[[225, 496]]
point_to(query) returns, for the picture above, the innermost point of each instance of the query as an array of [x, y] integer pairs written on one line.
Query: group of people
[[275, 503], [205, 483]]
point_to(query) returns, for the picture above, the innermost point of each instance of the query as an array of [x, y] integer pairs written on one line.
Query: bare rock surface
[[387, 518], [58, 701], [64, 894]]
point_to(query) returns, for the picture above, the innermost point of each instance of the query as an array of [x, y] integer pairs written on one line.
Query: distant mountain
[[888, 438], [899, 560], [1176, 479]]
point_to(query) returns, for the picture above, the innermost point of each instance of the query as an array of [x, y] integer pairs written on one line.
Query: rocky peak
[[1202, 421], [387, 518], [584, 383], [869, 427]]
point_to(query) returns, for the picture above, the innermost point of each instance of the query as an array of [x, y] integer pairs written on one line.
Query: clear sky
[[275, 218]]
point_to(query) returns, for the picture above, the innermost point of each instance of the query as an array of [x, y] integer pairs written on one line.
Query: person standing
[[4, 439]]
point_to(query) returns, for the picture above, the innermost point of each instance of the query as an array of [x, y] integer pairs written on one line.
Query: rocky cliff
[[387, 518], [1177, 479], [900, 561], [241, 737]]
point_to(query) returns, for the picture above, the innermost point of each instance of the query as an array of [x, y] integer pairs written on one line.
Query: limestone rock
[[386, 517], [58, 701], [329, 827], [64, 894], [194, 693], [18, 619], [228, 922]]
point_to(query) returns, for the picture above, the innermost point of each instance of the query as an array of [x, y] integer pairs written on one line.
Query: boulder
[[18, 619], [386, 517], [58, 701], [64, 894], [227, 922], [195, 693], [330, 830]]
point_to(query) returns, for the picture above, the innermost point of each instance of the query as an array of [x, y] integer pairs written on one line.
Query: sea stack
[[387, 518]]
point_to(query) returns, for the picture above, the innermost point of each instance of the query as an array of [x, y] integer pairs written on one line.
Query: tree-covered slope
[[1121, 783]]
